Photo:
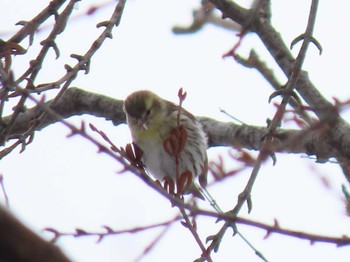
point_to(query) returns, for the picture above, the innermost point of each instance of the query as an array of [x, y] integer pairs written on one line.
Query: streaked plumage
[[151, 119]]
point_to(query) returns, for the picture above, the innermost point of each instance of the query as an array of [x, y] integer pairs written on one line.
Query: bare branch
[[312, 141], [18, 243], [205, 15]]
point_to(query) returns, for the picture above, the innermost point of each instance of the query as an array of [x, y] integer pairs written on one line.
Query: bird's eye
[[148, 112]]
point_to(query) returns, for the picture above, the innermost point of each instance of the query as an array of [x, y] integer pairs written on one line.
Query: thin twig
[[265, 150], [189, 225], [108, 231], [66, 80], [29, 27], [36, 66], [275, 123], [7, 200], [341, 241], [153, 243]]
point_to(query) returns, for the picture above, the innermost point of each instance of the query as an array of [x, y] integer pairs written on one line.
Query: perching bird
[[154, 127]]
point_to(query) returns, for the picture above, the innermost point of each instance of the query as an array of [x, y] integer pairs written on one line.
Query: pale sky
[[63, 183]]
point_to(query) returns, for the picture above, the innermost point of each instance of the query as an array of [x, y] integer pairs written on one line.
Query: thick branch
[[18, 243], [74, 102], [338, 133], [279, 51], [78, 102]]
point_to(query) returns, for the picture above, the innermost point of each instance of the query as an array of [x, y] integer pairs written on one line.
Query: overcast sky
[[64, 183]]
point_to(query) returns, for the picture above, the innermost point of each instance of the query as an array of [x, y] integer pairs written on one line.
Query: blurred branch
[[3, 189], [206, 15], [329, 137], [18, 243]]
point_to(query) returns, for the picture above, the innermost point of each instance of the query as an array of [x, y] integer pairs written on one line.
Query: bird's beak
[[141, 123]]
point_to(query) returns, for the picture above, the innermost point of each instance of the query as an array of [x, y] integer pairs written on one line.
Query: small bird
[[172, 140]]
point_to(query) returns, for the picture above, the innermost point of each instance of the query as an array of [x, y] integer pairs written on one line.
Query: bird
[[172, 141]]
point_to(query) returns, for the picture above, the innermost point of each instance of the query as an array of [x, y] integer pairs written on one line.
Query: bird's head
[[144, 110]]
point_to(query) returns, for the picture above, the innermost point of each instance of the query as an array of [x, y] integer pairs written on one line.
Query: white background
[[64, 183]]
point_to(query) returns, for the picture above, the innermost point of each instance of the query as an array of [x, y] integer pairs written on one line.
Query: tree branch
[[75, 101], [338, 130], [18, 243]]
